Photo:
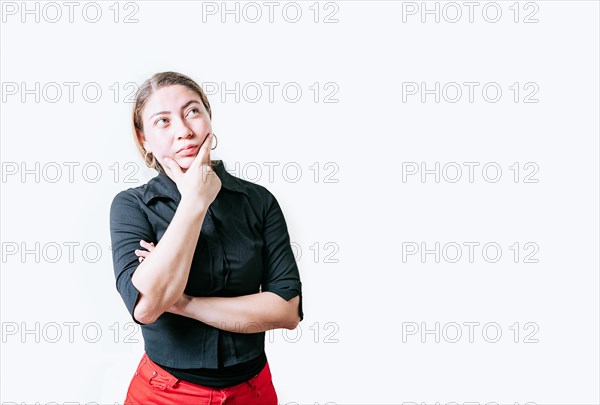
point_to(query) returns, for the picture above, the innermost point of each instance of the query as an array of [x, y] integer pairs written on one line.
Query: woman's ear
[[142, 140]]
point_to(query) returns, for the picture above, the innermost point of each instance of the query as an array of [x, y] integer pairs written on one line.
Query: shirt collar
[[163, 186]]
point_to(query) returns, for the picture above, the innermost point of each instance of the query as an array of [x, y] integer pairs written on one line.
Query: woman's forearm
[[244, 314], [161, 278]]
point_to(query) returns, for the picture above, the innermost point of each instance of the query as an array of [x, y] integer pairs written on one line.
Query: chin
[[186, 161]]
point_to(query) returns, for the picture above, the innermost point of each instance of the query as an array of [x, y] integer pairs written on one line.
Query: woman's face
[[174, 118]]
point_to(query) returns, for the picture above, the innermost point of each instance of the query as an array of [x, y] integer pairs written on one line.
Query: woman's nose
[[184, 131]]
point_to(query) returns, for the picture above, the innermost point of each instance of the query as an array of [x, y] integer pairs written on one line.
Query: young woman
[[202, 260]]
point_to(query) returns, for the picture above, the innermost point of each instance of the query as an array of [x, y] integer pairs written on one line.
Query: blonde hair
[[157, 81]]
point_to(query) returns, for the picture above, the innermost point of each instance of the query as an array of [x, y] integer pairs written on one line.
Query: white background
[[352, 346]]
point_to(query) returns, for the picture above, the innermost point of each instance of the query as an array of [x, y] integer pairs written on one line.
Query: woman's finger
[[172, 169], [203, 156], [147, 245], [140, 252]]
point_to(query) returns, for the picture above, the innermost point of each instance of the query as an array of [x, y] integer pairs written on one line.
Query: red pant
[[151, 384]]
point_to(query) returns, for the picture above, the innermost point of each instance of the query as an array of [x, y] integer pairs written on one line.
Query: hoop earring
[[215, 135], [146, 159]]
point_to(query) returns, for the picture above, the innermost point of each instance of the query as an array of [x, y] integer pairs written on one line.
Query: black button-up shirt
[[243, 248]]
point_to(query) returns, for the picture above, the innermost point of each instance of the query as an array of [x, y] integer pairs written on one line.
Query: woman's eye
[[197, 110]]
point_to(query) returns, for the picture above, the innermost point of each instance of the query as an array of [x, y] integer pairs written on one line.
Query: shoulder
[[258, 195], [130, 198], [142, 192], [263, 202], [129, 195]]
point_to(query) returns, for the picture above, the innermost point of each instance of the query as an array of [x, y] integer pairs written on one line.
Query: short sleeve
[[128, 225], [281, 275]]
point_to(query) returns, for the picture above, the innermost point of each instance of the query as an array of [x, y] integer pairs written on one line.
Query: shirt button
[[145, 361], [136, 373], [154, 373]]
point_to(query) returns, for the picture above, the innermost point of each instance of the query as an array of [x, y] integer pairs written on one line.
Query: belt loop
[[255, 391], [172, 381]]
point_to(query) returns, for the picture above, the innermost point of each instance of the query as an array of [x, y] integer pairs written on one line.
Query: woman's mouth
[[190, 150]]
